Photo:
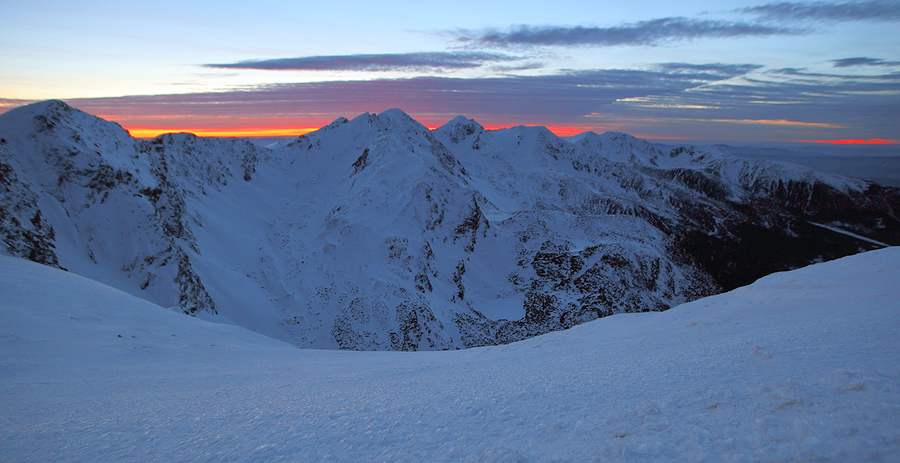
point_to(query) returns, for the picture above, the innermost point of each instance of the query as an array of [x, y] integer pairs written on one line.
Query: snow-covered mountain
[[799, 366], [376, 233]]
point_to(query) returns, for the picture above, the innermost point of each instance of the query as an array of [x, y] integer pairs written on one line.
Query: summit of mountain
[[374, 233]]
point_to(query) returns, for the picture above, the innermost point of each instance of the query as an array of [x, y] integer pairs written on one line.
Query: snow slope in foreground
[[800, 365]]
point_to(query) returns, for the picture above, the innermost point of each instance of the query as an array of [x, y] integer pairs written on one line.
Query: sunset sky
[[736, 71]]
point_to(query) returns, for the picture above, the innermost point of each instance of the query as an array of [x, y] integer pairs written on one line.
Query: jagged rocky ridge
[[376, 233]]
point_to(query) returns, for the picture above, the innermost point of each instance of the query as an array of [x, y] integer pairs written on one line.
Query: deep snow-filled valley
[[378, 234]]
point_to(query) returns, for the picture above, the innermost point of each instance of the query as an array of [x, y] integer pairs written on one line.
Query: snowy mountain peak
[[47, 108], [461, 120], [618, 147], [395, 113], [375, 233], [392, 120], [335, 124], [56, 118], [458, 129]]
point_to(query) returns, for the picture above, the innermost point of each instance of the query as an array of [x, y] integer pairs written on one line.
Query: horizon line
[[140, 131]]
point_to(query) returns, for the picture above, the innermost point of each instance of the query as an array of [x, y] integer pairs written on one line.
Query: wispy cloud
[[652, 32], [374, 62], [871, 141], [526, 66], [712, 71], [8, 103], [802, 73], [675, 99], [771, 20], [848, 62], [556, 99], [875, 10], [781, 122]]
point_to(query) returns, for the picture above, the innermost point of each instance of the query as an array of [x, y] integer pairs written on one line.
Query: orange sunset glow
[[142, 132], [560, 131], [281, 129]]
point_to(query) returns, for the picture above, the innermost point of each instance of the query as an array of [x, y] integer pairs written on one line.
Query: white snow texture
[[378, 234], [799, 366]]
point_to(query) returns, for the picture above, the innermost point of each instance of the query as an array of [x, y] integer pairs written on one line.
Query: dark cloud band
[[670, 92], [552, 99], [374, 62], [848, 62], [846, 11], [652, 32]]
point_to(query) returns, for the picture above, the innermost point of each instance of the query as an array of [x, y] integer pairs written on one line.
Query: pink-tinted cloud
[[672, 100], [872, 141]]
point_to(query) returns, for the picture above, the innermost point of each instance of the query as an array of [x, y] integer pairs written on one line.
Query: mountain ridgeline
[[378, 234]]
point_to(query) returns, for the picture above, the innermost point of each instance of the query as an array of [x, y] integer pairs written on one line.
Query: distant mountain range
[[879, 163], [378, 234]]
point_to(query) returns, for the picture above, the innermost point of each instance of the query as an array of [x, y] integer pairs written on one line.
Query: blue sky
[[724, 71]]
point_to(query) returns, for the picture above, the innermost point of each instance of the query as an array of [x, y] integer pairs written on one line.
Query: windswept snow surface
[[802, 365]]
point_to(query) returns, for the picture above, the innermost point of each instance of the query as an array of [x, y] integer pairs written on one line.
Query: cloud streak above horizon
[[374, 62], [874, 10], [672, 97], [774, 19], [862, 61], [551, 100], [576, 91], [643, 33]]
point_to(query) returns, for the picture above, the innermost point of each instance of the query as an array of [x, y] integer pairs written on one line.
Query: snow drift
[[801, 365]]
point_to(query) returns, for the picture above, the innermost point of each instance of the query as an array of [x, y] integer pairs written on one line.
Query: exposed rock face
[[122, 220], [376, 233], [26, 233]]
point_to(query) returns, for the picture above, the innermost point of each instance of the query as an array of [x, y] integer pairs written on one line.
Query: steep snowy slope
[[377, 234], [406, 250], [106, 206], [585, 246], [649, 212], [799, 366]]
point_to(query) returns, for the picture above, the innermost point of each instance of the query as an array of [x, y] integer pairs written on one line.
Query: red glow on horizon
[[871, 141], [652, 137], [248, 126], [253, 132], [246, 132], [294, 125], [559, 131]]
